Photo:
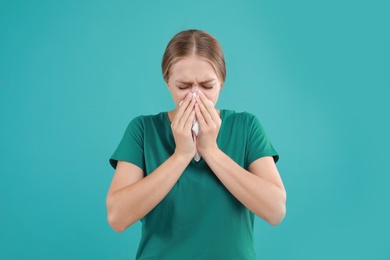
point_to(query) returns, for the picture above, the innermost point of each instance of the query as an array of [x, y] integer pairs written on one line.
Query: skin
[[131, 195]]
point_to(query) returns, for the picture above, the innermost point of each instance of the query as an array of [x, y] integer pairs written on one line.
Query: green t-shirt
[[199, 218]]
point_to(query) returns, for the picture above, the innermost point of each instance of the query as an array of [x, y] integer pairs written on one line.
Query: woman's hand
[[181, 128], [209, 124]]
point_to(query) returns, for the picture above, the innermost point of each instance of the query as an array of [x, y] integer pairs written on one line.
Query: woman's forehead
[[193, 68]]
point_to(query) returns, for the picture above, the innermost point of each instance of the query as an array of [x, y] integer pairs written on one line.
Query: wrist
[[182, 157], [209, 151]]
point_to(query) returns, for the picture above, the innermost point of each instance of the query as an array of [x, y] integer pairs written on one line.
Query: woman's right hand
[[129, 197], [181, 128]]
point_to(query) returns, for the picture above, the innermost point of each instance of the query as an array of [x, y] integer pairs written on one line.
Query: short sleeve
[[258, 144], [131, 147]]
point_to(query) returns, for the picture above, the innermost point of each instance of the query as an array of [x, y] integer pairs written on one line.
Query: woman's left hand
[[209, 124]]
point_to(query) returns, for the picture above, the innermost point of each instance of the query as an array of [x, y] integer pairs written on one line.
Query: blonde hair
[[194, 42]]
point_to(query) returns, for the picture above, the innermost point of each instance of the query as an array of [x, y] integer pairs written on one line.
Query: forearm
[[262, 197], [133, 202]]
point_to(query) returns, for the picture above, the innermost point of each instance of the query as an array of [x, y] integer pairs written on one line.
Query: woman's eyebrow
[[206, 81], [184, 82], [191, 82]]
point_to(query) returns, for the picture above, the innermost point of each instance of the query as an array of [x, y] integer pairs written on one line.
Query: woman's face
[[191, 74]]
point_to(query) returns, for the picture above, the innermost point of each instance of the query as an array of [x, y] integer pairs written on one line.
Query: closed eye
[[183, 87]]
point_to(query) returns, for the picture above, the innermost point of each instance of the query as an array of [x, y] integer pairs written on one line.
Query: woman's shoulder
[[157, 116], [155, 119], [227, 114]]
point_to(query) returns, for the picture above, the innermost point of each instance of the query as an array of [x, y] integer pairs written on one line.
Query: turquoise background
[[74, 73]]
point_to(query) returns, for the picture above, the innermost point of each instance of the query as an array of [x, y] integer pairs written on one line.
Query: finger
[[190, 120], [209, 106], [181, 109], [186, 100], [187, 114], [207, 102], [199, 116], [205, 113]]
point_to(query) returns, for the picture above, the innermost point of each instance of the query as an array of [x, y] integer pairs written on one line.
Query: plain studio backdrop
[[74, 73]]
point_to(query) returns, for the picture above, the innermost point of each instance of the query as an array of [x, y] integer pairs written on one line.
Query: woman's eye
[[208, 87], [183, 87]]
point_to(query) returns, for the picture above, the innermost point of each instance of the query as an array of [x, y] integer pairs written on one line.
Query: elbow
[[114, 223], [275, 215], [115, 219], [278, 216], [278, 212]]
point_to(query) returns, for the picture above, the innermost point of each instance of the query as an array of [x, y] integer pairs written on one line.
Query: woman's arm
[[260, 188], [131, 195]]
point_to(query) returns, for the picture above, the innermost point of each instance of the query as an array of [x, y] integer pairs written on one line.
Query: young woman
[[195, 176]]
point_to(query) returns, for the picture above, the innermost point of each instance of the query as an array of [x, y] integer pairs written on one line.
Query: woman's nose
[[194, 88]]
